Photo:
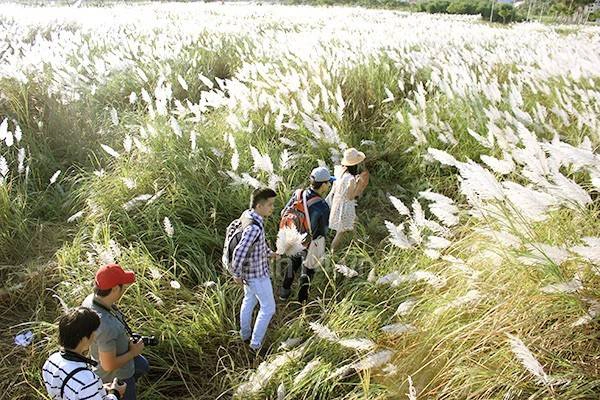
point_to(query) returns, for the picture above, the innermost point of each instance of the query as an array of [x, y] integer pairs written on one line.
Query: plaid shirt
[[255, 264]]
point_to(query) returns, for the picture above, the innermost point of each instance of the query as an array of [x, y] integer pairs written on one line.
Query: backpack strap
[[295, 197], [244, 226], [309, 203], [68, 377], [306, 213], [251, 248], [313, 200]]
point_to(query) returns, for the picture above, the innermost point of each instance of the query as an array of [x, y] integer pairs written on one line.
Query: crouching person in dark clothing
[[68, 374], [310, 214]]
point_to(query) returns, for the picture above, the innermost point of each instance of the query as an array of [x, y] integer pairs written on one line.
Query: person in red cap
[[117, 354]]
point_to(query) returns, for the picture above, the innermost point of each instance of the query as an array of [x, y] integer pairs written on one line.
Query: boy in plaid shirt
[[250, 267]]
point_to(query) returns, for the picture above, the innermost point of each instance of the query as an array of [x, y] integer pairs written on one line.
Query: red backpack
[[296, 215]]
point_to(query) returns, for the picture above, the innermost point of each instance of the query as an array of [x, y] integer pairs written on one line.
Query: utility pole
[[492, 12]]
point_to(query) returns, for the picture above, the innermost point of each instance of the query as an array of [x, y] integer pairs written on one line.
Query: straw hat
[[352, 157]]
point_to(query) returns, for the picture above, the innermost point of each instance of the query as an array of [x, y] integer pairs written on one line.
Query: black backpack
[[233, 235]]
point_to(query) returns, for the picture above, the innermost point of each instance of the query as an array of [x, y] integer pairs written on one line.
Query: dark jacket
[[318, 213]]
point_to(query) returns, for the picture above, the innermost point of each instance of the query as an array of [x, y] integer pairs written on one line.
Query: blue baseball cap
[[321, 174]]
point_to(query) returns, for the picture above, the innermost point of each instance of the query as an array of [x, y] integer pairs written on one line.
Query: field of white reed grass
[[135, 134]]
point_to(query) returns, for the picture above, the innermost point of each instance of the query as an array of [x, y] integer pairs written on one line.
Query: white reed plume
[[290, 241], [112, 152], [528, 359], [308, 368], [398, 329], [169, 230], [54, 177], [406, 307], [346, 271]]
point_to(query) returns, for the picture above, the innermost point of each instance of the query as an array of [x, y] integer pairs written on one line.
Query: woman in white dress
[[348, 186]]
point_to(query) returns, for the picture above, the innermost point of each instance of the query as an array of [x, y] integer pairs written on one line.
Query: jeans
[[257, 290], [306, 276], [141, 368]]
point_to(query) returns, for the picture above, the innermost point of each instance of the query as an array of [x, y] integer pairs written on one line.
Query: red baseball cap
[[112, 275]]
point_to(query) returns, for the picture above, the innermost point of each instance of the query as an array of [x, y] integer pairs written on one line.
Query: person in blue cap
[[317, 224]]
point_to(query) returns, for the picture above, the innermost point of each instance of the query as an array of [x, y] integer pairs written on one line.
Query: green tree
[[437, 6], [504, 11], [463, 7], [559, 9], [570, 5]]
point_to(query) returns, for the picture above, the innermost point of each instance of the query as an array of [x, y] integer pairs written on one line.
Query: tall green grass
[[460, 353]]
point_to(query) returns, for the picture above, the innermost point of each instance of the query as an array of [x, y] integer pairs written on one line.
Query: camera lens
[[150, 341]]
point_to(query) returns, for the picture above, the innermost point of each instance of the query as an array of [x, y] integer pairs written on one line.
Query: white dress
[[343, 210]]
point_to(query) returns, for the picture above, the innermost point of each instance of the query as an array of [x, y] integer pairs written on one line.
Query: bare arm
[[352, 191], [358, 185], [109, 361]]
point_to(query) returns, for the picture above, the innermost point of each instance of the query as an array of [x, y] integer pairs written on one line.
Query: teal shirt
[[110, 336]]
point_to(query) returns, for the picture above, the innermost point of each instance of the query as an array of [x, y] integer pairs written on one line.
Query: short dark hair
[[76, 324], [353, 169], [261, 195], [102, 292], [316, 185]]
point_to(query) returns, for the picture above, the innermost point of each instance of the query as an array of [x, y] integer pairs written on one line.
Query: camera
[[147, 340]]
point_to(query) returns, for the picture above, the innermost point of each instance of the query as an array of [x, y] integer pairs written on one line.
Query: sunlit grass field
[[135, 134]]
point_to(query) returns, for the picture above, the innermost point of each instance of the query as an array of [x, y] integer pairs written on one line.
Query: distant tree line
[[489, 10], [498, 11]]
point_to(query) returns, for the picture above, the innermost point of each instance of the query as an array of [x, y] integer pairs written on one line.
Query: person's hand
[[238, 281], [136, 347], [275, 256], [116, 386]]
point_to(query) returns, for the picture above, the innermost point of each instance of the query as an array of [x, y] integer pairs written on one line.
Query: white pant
[[257, 290]]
